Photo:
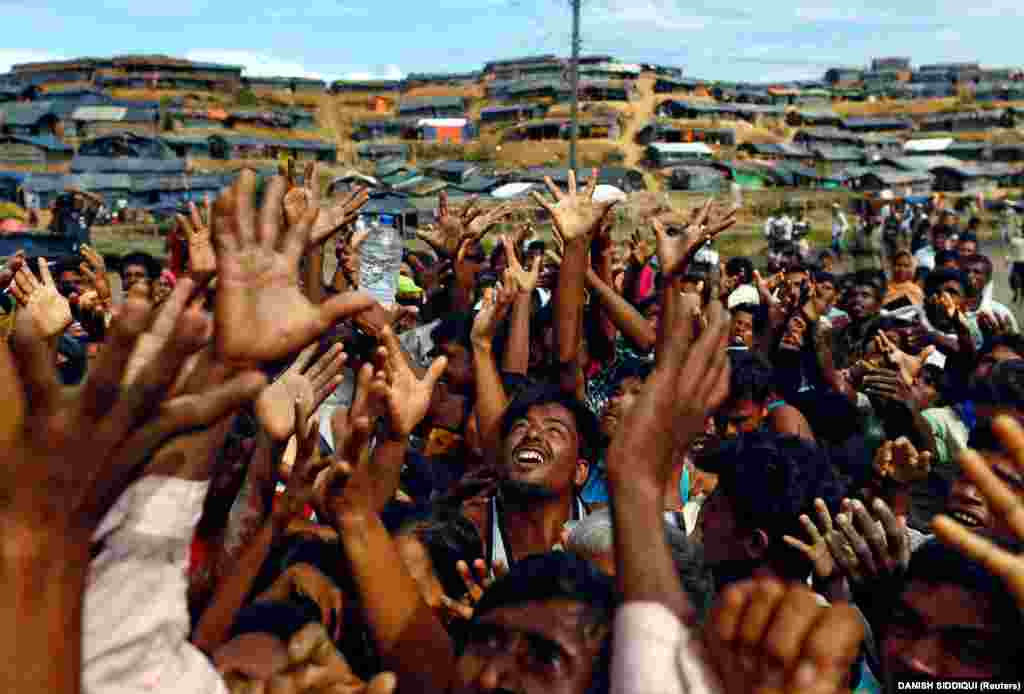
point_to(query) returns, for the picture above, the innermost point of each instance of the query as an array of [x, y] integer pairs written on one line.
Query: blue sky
[[332, 39]]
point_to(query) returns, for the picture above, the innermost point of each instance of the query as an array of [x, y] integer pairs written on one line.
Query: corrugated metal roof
[[922, 163], [833, 153], [47, 142], [929, 145], [99, 113], [682, 148], [25, 114], [127, 165], [421, 102]]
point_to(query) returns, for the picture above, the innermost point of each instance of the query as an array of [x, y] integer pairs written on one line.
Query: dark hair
[[756, 311], [551, 576], [870, 278], [144, 259], [629, 368], [283, 619], [560, 576], [1004, 385], [588, 429], [943, 257], [742, 267], [822, 276], [538, 246], [770, 480], [977, 259], [689, 563], [967, 235], [797, 267], [454, 327], [448, 538], [751, 377], [934, 563], [940, 275]]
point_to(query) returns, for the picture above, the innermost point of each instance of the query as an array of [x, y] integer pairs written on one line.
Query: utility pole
[[574, 80]]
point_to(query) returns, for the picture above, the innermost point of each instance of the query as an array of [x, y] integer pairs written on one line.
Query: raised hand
[[315, 667], [899, 461], [50, 311], [305, 580], [524, 280], [994, 325], [818, 551], [329, 220], [261, 314], [95, 270], [110, 425], [303, 382], [639, 248], [909, 366], [10, 269], [875, 546], [766, 637], [405, 396], [303, 471], [202, 262], [496, 305], [574, 216], [884, 384], [1005, 499], [477, 580], [676, 251], [447, 235]]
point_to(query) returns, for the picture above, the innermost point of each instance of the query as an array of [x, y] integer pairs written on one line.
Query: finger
[[342, 306], [798, 545], [829, 650], [269, 227], [557, 194], [811, 529], [26, 282], [857, 542], [1001, 498], [35, 358], [895, 535], [782, 644], [983, 551], [823, 515], [541, 201], [44, 273], [473, 589], [728, 610], [764, 602], [1011, 435], [457, 609], [588, 192], [435, 372], [103, 384], [242, 207]]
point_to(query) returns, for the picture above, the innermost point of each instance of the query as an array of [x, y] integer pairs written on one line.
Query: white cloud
[[15, 56], [826, 13], [265, 65], [656, 15], [389, 72]]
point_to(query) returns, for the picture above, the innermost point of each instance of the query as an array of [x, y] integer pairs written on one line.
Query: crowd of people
[[578, 464]]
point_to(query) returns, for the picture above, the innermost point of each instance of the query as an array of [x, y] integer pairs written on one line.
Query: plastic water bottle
[[380, 258]]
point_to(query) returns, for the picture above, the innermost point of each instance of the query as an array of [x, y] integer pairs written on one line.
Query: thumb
[[344, 305], [384, 683], [435, 371]]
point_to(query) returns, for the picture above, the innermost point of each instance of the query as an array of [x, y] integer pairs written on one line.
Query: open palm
[[574, 215], [261, 314]]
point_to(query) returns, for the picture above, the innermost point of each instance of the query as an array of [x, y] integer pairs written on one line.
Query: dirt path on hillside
[[643, 111]]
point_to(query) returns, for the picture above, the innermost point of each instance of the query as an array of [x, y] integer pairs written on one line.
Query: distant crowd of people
[[583, 463]]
